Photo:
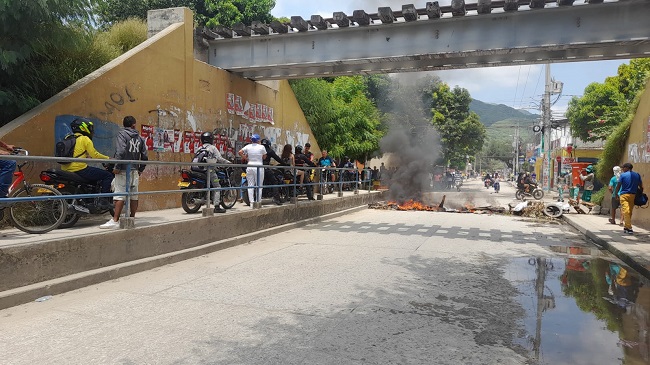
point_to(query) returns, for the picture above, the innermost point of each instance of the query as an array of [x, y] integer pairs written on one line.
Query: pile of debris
[[417, 205], [530, 209]]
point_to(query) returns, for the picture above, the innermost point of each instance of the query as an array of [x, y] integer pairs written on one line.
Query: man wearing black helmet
[[207, 140], [269, 177], [302, 160], [83, 130]]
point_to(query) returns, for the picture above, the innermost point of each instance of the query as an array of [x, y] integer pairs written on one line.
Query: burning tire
[[552, 211]]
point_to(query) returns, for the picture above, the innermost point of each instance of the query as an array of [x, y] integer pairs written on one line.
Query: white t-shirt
[[255, 153]]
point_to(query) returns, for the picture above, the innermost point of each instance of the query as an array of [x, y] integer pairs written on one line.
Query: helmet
[[83, 126], [255, 138], [590, 168], [298, 149], [266, 143], [207, 137]]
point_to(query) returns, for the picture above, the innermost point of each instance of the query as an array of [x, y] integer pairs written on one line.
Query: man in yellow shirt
[[83, 131]]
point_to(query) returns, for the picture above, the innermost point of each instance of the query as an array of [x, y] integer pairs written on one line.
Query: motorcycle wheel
[[538, 194], [552, 211], [189, 201], [70, 218], [519, 195], [228, 198]]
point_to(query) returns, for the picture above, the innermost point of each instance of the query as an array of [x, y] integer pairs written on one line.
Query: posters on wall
[[188, 142], [147, 133], [255, 112]]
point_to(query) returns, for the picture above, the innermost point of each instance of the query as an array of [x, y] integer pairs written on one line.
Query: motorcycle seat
[[69, 176]]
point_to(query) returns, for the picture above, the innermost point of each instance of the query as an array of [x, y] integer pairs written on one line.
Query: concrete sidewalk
[[634, 249]]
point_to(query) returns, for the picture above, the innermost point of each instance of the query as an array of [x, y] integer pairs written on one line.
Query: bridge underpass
[[319, 47]]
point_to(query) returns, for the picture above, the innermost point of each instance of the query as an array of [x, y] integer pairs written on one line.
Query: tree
[[341, 116], [206, 12], [461, 132], [595, 115], [40, 43]]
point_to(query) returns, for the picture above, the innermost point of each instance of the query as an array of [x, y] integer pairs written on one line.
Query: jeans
[[7, 168], [95, 174]]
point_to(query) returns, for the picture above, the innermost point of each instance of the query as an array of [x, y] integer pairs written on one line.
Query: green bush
[[615, 146], [125, 35], [598, 197]]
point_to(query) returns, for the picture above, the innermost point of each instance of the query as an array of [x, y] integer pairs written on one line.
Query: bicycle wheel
[[39, 216]]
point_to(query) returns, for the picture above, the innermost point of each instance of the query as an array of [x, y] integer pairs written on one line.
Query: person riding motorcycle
[[302, 160], [327, 161], [269, 177], [83, 130], [207, 138]]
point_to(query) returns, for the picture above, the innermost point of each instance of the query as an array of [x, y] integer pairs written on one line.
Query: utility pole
[[546, 141]]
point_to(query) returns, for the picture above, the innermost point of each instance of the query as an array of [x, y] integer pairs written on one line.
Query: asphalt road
[[371, 287]]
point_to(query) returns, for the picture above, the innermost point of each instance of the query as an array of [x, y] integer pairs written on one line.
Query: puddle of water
[[582, 310]]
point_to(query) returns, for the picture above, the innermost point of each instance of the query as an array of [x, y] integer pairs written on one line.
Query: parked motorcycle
[[69, 183], [326, 184], [267, 193], [192, 201], [533, 191]]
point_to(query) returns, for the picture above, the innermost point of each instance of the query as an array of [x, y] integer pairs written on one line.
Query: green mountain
[[493, 113]]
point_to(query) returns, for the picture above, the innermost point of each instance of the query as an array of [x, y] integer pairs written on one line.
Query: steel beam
[[554, 34]]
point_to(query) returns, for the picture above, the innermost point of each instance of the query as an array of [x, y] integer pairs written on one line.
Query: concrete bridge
[[484, 34]]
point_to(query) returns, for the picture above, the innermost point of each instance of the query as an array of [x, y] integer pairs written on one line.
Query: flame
[[470, 208], [412, 205]]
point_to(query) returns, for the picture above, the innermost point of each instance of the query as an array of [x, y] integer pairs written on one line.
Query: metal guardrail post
[[127, 221]]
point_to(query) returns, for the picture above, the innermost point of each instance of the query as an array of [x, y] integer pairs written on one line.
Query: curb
[[26, 294], [603, 244]]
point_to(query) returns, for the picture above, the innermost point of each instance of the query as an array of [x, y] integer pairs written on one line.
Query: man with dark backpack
[[83, 130], [206, 152], [628, 185], [132, 147]]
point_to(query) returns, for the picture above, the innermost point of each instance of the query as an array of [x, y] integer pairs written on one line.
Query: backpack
[[65, 148], [640, 199], [200, 156]]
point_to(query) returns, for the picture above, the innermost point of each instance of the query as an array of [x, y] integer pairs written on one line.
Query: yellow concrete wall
[[638, 151], [162, 86]]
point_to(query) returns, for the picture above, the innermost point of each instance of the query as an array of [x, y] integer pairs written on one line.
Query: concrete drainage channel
[[49, 268]]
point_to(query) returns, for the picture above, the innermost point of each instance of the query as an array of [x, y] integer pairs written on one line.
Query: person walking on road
[[130, 146], [255, 153], [628, 185], [615, 202]]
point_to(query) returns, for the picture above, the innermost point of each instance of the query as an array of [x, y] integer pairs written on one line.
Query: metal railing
[[362, 179]]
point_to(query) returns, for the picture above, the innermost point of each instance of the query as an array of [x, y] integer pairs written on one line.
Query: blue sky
[[515, 86]]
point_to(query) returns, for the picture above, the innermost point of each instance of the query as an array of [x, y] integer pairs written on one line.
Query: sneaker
[[111, 224], [628, 231], [219, 210]]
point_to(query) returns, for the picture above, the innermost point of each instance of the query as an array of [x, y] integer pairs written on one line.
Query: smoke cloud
[[412, 158]]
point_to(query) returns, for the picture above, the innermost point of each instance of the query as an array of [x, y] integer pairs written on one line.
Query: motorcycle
[[267, 193], [192, 201], [458, 183], [488, 183], [533, 190], [326, 184], [69, 183]]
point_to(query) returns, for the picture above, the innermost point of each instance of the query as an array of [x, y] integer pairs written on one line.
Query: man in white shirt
[[255, 153]]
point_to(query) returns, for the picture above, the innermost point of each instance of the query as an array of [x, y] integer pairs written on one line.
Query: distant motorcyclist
[[302, 160], [207, 140], [269, 176], [84, 130]]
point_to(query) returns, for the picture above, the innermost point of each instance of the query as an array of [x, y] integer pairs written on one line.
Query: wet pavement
[[371, 287], [576, 313]]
